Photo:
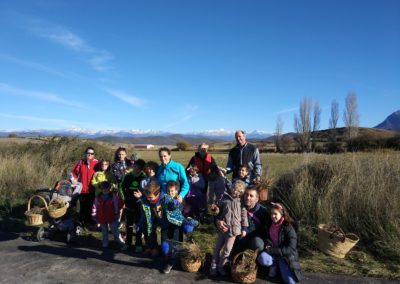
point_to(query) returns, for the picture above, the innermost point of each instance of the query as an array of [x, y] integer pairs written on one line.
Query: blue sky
[[183, 66]]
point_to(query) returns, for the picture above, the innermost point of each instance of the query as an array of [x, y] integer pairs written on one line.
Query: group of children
[[146, 207]]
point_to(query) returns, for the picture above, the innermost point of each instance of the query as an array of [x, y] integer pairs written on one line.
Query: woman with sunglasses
[[83, 172]]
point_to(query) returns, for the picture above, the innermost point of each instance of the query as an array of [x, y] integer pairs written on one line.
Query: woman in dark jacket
[[280, 250]]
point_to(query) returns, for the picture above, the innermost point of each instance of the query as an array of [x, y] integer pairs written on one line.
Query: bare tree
[[278, 133], [316, 123], [302, 124], [334, 114], [350, 115]]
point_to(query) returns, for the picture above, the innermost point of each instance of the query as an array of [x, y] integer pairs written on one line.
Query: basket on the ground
[[57, 207], [334, 242], [244, 267], [34, 216], [191, 257]]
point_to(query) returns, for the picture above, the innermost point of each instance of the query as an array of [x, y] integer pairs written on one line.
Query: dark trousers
[[248, 242], [85, 210], [171, 233], [133, 217]]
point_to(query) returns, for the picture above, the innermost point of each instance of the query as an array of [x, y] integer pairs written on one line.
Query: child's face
[[121, 155], [172, 191], [236, 193], [243, 172], [104, 166], [275, 215], [151, 197], [192, 172], [150, 172]]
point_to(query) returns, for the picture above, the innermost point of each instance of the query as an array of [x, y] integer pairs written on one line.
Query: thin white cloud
[[188, 112], [43, 96], [33, 65], [287, 110], [58, 122], [98, 59], [125, 97]]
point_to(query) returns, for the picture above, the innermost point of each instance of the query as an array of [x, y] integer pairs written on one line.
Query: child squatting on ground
[[229, 210], [106, 208], [281, 246]]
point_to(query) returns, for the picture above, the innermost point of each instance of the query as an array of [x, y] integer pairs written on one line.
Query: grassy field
[[359, 192]]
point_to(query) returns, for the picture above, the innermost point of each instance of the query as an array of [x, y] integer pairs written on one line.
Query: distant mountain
[[139, 136], [392, 122]]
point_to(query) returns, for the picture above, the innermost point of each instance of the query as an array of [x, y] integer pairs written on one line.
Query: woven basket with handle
[[57, 207], [244, 267], [34, 216], [334, 242]]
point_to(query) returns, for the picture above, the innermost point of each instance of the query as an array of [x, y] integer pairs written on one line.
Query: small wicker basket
[[34, 216], [244, 269], [55, 211], [334, 242], [191, 264]]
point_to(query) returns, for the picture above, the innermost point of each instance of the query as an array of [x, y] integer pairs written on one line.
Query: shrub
[[360, 193], [183, 145]]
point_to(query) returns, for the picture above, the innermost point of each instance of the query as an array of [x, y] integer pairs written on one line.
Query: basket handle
[[339, 233], [36, 196], [237, 255]]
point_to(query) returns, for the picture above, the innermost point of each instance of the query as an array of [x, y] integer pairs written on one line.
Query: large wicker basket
[[244, 267], [34, 216], [57, 208], [334, 242]]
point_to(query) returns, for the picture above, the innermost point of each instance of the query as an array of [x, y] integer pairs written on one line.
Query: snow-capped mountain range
[[90, 133]]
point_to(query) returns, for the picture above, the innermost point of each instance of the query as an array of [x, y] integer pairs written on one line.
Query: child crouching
[[230, 211], [106, 208]]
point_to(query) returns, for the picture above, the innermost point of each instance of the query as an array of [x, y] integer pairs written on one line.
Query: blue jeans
[[114, 230], [264, 259]]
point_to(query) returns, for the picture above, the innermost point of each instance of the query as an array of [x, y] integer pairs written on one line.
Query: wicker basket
[[242, 273], [191, 264], [55, 212], [35, 216], [334, 242]]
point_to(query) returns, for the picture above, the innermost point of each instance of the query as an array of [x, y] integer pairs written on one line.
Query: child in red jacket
[[106, 211]]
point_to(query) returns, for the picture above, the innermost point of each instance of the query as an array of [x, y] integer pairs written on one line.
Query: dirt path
[[24, 261]]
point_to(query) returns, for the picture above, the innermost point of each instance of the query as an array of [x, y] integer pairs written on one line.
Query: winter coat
[[233, 214], [129, 185], [203, 164], [106, 208], [173, 171], [99, 177], [118, 169], [165, 212], [287, 248], [246, 155], [83, 172]]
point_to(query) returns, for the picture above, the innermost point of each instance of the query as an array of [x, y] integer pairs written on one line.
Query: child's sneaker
[[138, 249], [123, 247], [167, 268], [272, 271], [213, 268], [154, 252], [147, 252], [221, 270]]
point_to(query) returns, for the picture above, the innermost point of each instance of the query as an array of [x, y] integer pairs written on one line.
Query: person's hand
[[179, 198], [257, 180], [137, 194], [222, 226], [222, 171], [243, 234], [74, 181]]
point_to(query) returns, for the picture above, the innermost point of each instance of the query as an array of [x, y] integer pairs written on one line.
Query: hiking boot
[[167, 268]]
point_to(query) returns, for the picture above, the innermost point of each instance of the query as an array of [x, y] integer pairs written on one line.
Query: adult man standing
[[258, 218], [244, 153]]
